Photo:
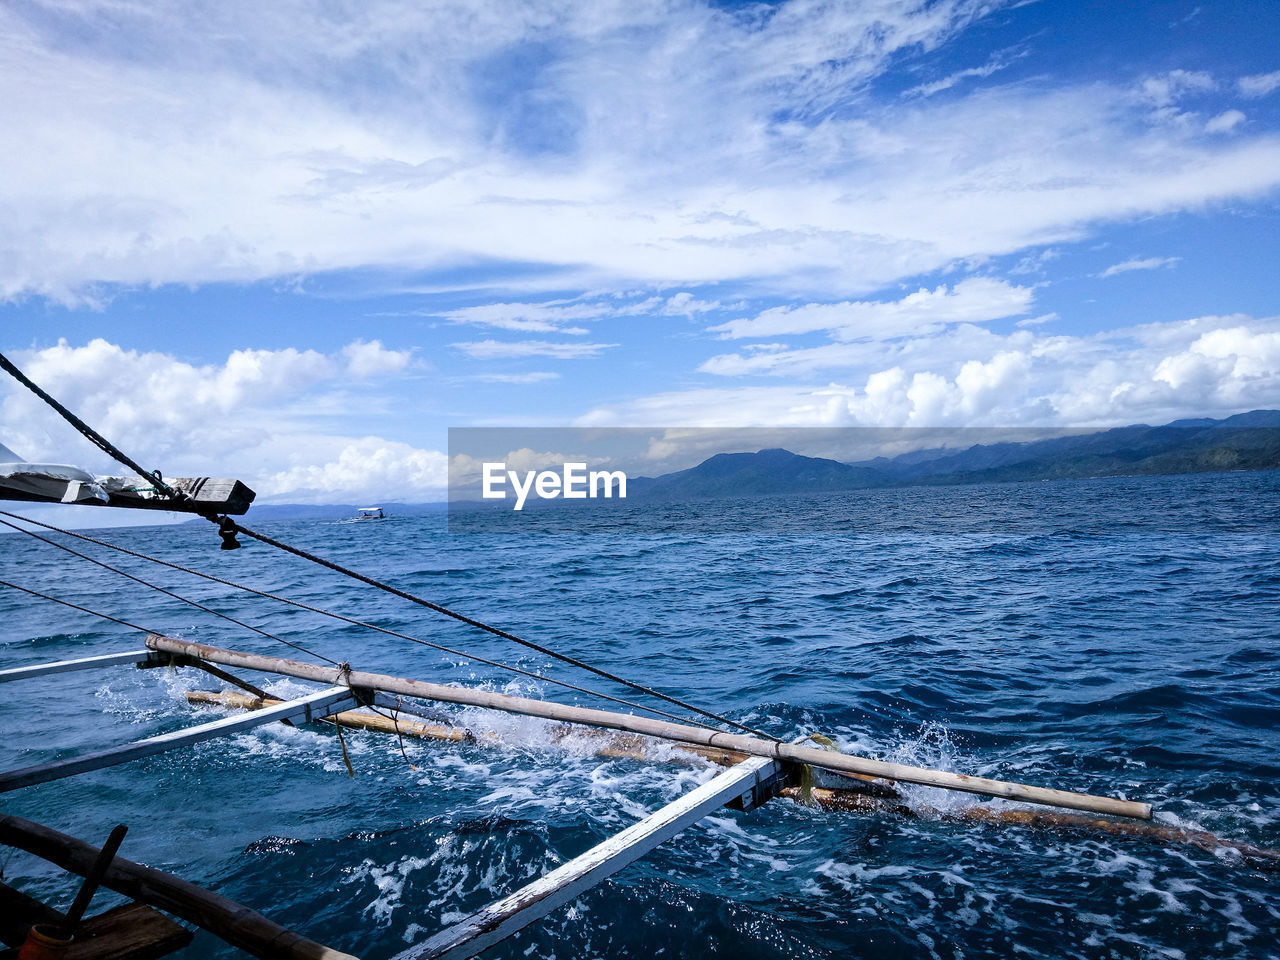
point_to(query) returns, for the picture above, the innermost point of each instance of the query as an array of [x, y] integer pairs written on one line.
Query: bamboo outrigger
[[757, 768]]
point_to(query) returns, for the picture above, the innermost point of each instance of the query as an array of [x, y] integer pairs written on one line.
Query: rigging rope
[[318, 610], [76, 606], [170, 593], [99, 441], [228, 527]]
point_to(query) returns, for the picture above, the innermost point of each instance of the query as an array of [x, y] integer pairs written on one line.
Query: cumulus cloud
[[502, 349], [1259, 84], [240, 141], [263, 416], [1140, 263], [968, 376], [372, 359], [364, 468]]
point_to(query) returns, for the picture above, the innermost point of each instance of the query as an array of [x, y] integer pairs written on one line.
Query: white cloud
[[1225, 122], [373, 359], [1140, 263], [1036, 262], [264, 416], [363, 469], [1167, 89], [534, 376], [995, 64], [550, 317], [1036, 321], [500, 349], [237, 141], [967, 376], [970, 301], [1259, 84]]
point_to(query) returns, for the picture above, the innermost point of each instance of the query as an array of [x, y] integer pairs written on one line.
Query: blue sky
[[296, 242]]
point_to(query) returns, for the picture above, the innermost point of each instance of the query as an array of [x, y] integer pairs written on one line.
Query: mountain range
[[1246, 441]]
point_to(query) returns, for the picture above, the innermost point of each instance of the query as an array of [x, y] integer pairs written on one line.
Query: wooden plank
[[233, 922], [681, 733], [504, 917], [131, 931], [311, 707], [223, 495], [83, 663]]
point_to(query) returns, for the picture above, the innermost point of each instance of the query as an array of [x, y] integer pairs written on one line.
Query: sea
[[1116, 636]]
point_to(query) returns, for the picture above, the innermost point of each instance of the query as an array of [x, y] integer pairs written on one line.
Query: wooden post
[[233, 922], [825, 759]]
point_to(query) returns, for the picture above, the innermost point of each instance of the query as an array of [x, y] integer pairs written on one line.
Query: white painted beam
[[504, 917], [83, 663], [312, 707]]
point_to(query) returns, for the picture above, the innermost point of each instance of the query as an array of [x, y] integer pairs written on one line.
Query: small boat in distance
[[370, 513]]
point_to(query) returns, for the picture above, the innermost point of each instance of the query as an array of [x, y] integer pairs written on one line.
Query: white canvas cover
[[54, 480]]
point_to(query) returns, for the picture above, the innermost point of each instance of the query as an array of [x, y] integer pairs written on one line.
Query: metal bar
[[504, 917], [312, 707], [83, 663]]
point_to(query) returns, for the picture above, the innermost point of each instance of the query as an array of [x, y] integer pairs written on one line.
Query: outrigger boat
[[757, 768], [370, 513]]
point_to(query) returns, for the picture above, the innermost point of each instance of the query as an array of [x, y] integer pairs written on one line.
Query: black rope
[[227, 526], [97, 439], [330, 613], [76, 606], [169, 593], [496, 631]]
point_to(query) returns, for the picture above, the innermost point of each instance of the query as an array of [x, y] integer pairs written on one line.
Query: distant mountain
[[752, 474], [1247, 441]]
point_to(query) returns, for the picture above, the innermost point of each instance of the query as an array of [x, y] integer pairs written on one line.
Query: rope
[[227, 527], [496, 631], [343, 618], [169, 593], [76, 606], [99, 441]]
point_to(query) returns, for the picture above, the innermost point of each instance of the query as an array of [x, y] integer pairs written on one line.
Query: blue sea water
[[1116, 636]]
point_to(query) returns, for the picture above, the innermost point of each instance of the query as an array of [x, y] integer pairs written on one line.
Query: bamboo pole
[[347, 718], [754, 746], [624, 746], [235, 923], [857, 801], [872, 796]]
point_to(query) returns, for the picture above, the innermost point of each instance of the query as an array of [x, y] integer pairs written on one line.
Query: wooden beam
[[139, 657], [504, 917], [311, 707], [235, 923], [754, 746], [220, 494]]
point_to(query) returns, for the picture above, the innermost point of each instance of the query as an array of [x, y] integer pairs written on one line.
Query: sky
[[296, 242]]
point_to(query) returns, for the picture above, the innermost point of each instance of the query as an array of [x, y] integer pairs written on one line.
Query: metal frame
[[745, 782], [315, 706], [139, 657]]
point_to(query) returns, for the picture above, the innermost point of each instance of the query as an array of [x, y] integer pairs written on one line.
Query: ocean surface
[[1117, 636]]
